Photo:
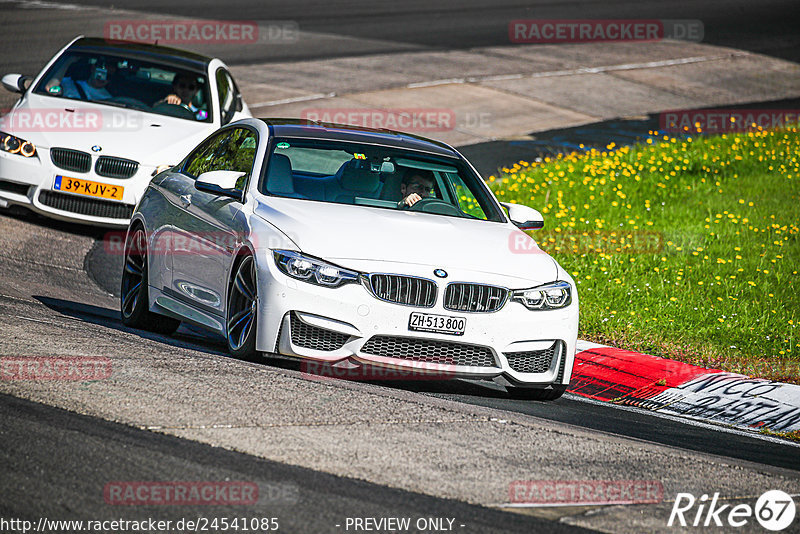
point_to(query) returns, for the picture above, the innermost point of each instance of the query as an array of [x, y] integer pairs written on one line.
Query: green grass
[[793, 435], [682, 248]]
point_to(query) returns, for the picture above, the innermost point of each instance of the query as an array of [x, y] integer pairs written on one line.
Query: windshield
[[376, 176], [124, 82]]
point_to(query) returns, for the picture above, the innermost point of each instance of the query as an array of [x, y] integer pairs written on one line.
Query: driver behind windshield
[[416, 185], [185, 87]]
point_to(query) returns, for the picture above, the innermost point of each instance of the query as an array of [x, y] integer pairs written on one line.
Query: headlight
[[161, 168], [546, 297], [312, 270], [15, 145]]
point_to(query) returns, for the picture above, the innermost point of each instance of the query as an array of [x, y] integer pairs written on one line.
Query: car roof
[[142, 51], [357, 134]]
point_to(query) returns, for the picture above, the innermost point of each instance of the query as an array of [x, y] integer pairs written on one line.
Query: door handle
[[186, 199]]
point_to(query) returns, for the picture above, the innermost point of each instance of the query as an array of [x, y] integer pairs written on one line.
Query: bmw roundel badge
[[96, 148], [441, 273]]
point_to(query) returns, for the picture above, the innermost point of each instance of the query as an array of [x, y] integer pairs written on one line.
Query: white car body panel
[[405, 237], [366, 240], [150, 139]]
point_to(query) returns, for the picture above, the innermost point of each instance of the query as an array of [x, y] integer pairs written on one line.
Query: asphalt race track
[[768, 27], [178, 408], [37, 439]]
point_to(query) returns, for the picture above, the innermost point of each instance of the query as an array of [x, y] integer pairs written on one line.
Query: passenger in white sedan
[[93, 87]]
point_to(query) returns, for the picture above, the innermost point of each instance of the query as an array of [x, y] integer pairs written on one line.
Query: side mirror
[[15, 82], [220, 183], [523, 217]]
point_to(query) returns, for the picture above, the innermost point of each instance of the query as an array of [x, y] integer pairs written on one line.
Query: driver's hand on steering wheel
[[173, 99], [410, 200]]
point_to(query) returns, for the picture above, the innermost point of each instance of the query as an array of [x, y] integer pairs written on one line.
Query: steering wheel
[[174, 110], [435, 205]]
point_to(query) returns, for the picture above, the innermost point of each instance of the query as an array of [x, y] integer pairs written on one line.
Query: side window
[[466, 200], [227, 93], [244, 148], [206, 158], [230, 150]]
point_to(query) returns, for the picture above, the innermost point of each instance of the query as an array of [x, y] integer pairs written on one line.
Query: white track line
[[579, 70], [41, 4], [292, 100], [519, 76]]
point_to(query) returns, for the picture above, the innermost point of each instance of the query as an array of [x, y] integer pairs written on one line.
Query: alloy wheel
[[133, 274], [242, 304]]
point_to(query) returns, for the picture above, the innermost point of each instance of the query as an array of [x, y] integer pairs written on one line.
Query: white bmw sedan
[[92, 128], [358, 248]]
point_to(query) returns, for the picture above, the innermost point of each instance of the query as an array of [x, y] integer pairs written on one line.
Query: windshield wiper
[[124, 105]]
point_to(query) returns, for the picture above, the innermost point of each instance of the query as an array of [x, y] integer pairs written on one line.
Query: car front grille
[[562, 363], [86, 206], [313, 337], [429, 351], [533, 361], [278, 340], [407, 290], [474, 297], [71, 160], [115, 167], [13, 187]]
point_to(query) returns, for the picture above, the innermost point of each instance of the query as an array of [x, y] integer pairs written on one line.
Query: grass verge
[[683, 248]]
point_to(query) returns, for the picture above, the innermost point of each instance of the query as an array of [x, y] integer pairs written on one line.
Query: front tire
[[242, 311], [134, 301], [537, 394]]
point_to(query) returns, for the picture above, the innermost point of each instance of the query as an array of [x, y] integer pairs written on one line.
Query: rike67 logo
[[774, 510]]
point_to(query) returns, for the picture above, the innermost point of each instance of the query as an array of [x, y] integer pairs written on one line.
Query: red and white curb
[[666, 386]]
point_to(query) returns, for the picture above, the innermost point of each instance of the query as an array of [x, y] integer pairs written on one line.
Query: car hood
[[369, 238], [145, 137]]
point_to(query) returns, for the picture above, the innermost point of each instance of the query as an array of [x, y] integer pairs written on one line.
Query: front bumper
[[29, 182], [349, 325]]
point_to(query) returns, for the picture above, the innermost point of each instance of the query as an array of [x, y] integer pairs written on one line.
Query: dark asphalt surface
[[767, 26], [56, 464]]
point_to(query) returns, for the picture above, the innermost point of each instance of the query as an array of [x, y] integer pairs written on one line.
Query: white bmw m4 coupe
[[353, 247], [95, 125]]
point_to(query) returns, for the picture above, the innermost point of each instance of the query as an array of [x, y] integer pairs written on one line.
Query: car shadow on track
[[186, 336], [193, 338], [25, 215], [452, 386]]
